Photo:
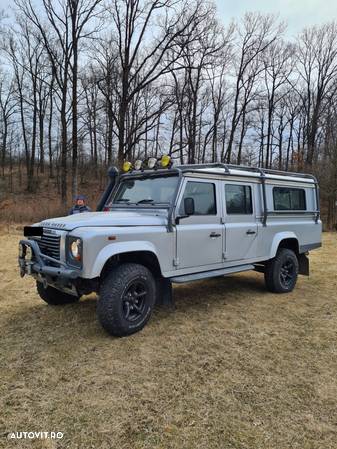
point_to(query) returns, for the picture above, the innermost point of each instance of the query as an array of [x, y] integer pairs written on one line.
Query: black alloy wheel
[[134, 300], [287, 273]]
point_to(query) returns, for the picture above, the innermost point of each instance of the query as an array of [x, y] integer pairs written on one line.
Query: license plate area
[[33, 231]]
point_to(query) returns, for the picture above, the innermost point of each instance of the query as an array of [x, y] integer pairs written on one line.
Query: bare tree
[[317, 67], [7, 110], [255, 34]]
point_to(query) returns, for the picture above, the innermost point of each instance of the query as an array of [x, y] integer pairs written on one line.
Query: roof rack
[[228, 167]]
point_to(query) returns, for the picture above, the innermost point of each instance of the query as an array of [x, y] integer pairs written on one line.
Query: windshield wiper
[[122, 200], [153, 202], [145, 201]]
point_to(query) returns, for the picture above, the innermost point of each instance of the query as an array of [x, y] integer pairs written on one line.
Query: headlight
[[75, 249]]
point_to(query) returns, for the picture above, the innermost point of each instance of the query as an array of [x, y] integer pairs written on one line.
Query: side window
[[203, 194], [286, 198], [238, 199]]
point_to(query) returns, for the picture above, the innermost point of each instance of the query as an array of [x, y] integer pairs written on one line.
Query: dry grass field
[[233, 367]]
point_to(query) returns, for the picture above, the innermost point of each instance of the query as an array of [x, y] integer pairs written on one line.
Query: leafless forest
[[89, 83]]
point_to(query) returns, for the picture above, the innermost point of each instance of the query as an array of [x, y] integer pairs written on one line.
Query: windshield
[[146, 190]]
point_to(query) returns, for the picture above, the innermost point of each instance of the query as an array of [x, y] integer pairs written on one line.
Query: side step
[[210, 274]]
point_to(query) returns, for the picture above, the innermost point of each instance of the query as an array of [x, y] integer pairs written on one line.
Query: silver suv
[[157, 226]]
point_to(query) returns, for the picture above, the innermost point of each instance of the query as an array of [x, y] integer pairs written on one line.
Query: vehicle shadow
[[229, 289], [33, 321]]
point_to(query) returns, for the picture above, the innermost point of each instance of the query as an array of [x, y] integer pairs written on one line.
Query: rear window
[[286, 198]]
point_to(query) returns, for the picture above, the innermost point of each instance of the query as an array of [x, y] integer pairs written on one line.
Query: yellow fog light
[[138, 164], [127, 166], [165, 161], [152, 162]]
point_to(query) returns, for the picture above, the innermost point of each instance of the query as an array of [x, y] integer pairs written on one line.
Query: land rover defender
[[157, 225]]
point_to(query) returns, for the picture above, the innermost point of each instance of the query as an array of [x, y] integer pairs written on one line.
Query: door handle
[[250, 232], [214, 235]]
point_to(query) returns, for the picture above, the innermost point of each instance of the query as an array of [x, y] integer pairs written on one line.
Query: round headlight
[[75, 249], [152, 162], [138, 164], [127, 166]]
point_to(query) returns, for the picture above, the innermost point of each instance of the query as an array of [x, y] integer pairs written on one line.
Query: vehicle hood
[[113, 218]]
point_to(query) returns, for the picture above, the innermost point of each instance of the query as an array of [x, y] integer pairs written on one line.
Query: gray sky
[[298, 13]]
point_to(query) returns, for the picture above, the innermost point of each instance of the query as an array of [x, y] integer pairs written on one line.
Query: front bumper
[[59, 276]]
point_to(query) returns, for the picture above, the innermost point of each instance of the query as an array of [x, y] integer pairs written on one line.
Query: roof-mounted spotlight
[[127, 166], [166, 161], [152, 163], [138, 165]]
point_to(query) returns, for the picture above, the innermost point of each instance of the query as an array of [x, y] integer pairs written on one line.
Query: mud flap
[[303, 261], [164, 296]]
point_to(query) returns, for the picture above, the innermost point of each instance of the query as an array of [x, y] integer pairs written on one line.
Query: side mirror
[[189, 206]]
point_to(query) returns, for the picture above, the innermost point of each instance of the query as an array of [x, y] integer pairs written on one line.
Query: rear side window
[[203, 194], [286, 198], [238, 199]]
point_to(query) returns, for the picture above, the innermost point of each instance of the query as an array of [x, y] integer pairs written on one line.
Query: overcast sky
[[298, 13]]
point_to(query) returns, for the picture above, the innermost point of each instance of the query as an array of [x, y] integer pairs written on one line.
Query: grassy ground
[[232, 367]]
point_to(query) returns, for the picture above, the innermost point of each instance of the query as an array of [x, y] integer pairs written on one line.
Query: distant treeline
[[93, 82]]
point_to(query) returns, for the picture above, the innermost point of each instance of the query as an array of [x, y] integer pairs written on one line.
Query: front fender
[[278, 239], [119, 248]]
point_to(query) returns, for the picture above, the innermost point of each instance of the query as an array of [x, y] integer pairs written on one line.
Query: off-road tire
[[118, 303], [281, 272], [54, 297]]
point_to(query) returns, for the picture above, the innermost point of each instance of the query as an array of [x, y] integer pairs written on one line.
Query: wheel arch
[[284, 240], [143, 253]]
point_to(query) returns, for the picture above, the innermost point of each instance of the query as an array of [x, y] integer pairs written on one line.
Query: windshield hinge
[[176, 262]]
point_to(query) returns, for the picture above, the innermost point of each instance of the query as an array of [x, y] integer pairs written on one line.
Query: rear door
[[200, 237], [240, 242]]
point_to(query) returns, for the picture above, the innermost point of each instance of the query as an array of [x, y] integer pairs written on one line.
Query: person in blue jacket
[[79, 205]]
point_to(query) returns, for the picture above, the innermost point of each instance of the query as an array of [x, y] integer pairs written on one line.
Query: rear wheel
[[126, 299], [54, 297], [281, 272]]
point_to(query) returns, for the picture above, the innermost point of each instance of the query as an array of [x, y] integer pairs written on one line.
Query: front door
[[240, 242], [200, 236]]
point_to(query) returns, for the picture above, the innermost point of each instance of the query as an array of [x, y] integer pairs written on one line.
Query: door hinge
[[176, 262], [224, 256]]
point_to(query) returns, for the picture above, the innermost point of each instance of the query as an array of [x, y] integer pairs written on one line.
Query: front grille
[[50, 245]]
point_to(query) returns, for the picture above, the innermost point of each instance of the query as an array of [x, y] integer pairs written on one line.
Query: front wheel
[[54, 297], [126, 299], [282, 271]]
